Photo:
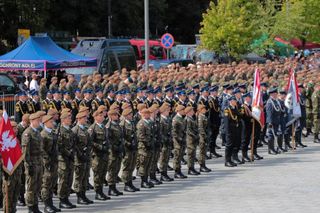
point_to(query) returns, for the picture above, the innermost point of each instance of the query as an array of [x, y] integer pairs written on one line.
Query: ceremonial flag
[[257, 103], [9, 146], [292, 101]]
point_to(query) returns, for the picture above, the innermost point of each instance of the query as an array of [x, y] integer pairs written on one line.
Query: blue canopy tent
[[41, 53]]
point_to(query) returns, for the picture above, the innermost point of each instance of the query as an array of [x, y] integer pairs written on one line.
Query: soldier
[[76, 103], [309, 107], [203, 100], [100, 146], [21, 107], [66, 102], [316, 113], [182, 98], [98, 101], [82, 158], [231, 122], [150, 96], [203, 137], [145, 146], [115, 151], [178, 135], [169, 97], [13, 182], [159, 96], [56, 102], [192, 139], [31, 147], [139, 98], [66, 146], [50, 163], [272, 119], [45, 103], [192, 99], [237, 145], [130, 150], [63, 85], [109, 100], [54, 84], [165, 137], [283, 122], [71, 85], [87, 101], [302, 119], [43, 89]]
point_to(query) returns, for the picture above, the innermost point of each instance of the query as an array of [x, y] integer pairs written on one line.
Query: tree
[[231, 26]]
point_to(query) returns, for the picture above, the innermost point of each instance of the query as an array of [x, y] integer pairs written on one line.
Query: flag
[[9, 146], [257, 103], [292, 101]]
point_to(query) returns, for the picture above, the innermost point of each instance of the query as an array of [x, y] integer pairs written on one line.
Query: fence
[[9, 102]]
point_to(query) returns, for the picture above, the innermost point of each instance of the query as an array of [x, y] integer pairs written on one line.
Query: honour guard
[[21, 107]]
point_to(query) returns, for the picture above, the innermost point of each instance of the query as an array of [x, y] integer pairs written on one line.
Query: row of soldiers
[[70, 137]]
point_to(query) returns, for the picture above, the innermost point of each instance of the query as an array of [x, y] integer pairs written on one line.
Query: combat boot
[[145, 183], [100, 195], [132, 186], [280, 143], [316, 138], [128, 187], [65, 204], [36, 209], [81, 200], [48, 207], [271, 150], [165, 177], [183, 161], [154, 180], [204, 168], [245, 157], [178, 174], [21, 201], [31, 209], [170, 168], [89, 186], [236, 159], [86, 198], [192, 171], [53, 207], [113, 191]]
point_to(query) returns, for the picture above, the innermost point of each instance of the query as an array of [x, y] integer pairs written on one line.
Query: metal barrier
[[9, 102]]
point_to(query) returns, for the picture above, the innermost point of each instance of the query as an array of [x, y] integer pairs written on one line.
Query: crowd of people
[[139, 120]]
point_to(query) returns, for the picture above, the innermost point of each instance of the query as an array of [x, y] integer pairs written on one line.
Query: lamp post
[[109, 19], [146, 34]]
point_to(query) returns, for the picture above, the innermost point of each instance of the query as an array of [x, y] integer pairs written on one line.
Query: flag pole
[[252, 140]]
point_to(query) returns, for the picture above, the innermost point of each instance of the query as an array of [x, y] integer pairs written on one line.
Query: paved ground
[[283, 183]]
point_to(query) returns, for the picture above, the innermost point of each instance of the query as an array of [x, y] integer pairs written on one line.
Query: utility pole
[[109, 19], [146, 33]]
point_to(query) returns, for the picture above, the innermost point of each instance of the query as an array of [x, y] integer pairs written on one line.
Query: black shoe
[[106, 183], [132, 186], [203, 168], [21, 201], [86, 198], [165, 177], [230, 164], [192, 171], [47, 207], [65, 204], [257, 157], [302, 145], [216, 155], [236, 160], [128, 188], [183, 161], [113, 191], [89, 186], [179, 175], [81, 200], [218, 147], [145, 185], [170, 168], [31, 209], [272, 152], [155, 181], [101, 196], [208, 157], [246, 159]]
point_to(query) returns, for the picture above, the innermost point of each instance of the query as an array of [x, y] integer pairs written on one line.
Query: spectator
[[34, 83]]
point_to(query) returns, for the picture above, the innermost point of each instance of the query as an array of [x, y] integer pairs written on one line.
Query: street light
[[146, 34]]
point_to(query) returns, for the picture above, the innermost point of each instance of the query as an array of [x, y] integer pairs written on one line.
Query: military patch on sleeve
[[17, 108], [226, 112]]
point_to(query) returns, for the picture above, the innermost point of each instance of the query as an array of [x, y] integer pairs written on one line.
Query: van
[[111, 55]]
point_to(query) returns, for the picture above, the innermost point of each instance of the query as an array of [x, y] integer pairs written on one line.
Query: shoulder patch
[[226, 112]]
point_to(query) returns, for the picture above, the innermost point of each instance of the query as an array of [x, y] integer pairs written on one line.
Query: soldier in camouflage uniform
[[145, 146], [115, 151], [82, 158], [192, 139], [66, 146], [50, 163], [316, 113], [165, 138], [13, 183], [31, 147], [178, 135], [309, 107], [130, 150], [100, 146]]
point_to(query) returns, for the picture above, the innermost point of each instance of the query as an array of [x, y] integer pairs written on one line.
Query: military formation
[[133, 123]]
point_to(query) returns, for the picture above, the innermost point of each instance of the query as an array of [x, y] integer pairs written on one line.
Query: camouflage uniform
[[192, 140], [309, 108], [166, 141], [203, 140], [157, 147], [316, 112], [178, 135], [21, 129]]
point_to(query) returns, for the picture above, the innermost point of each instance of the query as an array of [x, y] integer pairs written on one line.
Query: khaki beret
[[102, 108], [52, 112], [145, 111], [41, 113], [126, 112], [164, 108], [54, 78], [34, 116], [179, 108], [65, 110], [141, 107], [201, 107], [188, 109], [83, 109], [25, 117], [13, 123], [153, 108], [65, 115], [114, 106], [112, 112], [81, 115], [125, 105], [46, 118], [43, 80], [96, 113]]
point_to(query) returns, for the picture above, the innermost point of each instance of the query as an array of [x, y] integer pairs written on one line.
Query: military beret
[[81, 115], [54, 78], [13, 123], [63, 80], [145, 111], [34, 116], [180, 108], [46, 118], [273, 90], [41, 113], [164, 108], [112, 112], [52, 112], [201, 107], [126, 112], [102, 108], [188, 109], [141, 107], [83, 108], [96, 113], [25, 117], [65, 115], [125, 105], [65, 110], [114, 106]]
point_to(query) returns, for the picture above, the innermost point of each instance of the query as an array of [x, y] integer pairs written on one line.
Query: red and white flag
[[10, 149], [257, 103], [292, 101]]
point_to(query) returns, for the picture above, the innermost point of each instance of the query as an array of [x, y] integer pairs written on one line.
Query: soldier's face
[[50, 124], [129, 117], [35, 123], [68, 121], [49, 96]]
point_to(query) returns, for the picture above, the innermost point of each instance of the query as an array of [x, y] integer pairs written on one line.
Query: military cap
[[13, 123], [283, 92], [41, 113], [87, 91], [65, 110], [201, 107], [96, 113], [22, 93], [49, 92], [229, 87], [119, 92], [243, 86], [66, 92], [213, 89], [225, 86], [34, 116], [25, 117], [182, 92], [145, 111], [77, 90], [141, 107], [196, 86], [65, 115], [235, 85], [46, 118], [112, 112], [81, 115], [102, 108], [232, 98], [52, 112], [190, 92], [180, 108], [188, 109], [126, 112], [83, 108], [235, 91], [248, 94], [204, 89], [139, 89], [150, 90], [273, 90], [56, 92], [264, 84]]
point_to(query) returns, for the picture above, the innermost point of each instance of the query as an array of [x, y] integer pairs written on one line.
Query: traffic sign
[[167, 41]]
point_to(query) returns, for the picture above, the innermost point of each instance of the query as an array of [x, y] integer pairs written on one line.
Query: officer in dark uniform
[[192, 99], [87, 102], [283, 121], [150, 96], [119, 98], [34, 103], [231, 121], [265, 97], [159, 96], [203, 100], [182, 98], [273, 119], [128, 98], [45, 104], [56, 102], [21, 107], [302, 120], [169, 97], [247, 126], [224, 104], [98, 101], [75, 104], [236, 148], [66, 102], [109, 100], [196, 89]]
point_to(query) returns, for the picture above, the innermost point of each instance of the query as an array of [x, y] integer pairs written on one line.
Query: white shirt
[[34, 85]]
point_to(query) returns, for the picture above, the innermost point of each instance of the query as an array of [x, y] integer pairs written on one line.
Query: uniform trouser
[[257, 132], [202, 150], [232, 138], [80, 177], [128, 165], [22, 182], [223, 132], [49, 180], [155, 159], [114, 165], [14, 184], [246, 136], [309, 120], [65, 172], [164, 158], [191, 151], [271, 136], [177, 155], [145, 157], [214, 136], [99, 167], [33, 186], [316, 124], [241, 134], [88, 169]]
